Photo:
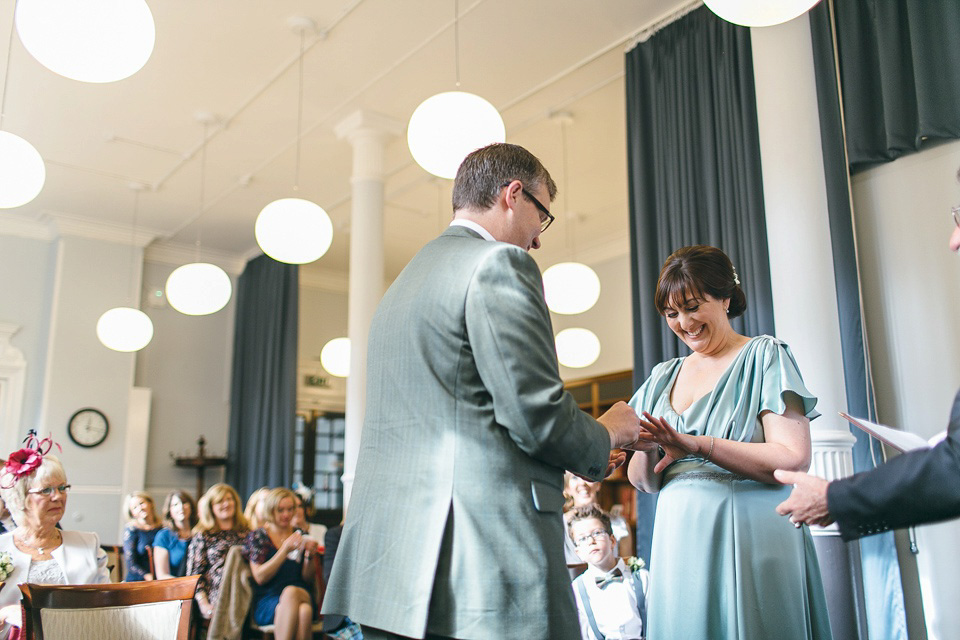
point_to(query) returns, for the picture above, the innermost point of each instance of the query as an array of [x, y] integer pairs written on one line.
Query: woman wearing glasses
[[34, 487]]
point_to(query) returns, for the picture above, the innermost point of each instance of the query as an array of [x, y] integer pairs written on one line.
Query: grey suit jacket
[[454, 524], [914, 488]]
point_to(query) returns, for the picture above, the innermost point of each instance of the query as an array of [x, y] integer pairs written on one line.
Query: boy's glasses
[[595, 536], [47, 492]]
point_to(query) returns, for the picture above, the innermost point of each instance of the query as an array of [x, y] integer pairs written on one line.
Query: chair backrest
[[151, 563], [159, 609], [114, 561]]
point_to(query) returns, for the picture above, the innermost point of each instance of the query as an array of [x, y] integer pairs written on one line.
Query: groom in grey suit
[[454, 527]]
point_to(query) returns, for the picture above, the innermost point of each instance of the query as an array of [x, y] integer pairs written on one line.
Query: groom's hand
[[623, 425]]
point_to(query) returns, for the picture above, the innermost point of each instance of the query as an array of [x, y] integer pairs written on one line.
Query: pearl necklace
[[41, 550]]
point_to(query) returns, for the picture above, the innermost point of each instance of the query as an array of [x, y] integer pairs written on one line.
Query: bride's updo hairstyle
[[691, 272]]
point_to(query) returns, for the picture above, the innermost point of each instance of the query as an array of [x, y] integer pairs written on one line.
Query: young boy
[[611, 598]]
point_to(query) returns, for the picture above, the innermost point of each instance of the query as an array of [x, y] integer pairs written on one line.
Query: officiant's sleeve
[[511, 337], [914, 488]]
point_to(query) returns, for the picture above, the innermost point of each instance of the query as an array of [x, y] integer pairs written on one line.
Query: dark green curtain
[[694, 178], [900, 71], [263, 393]]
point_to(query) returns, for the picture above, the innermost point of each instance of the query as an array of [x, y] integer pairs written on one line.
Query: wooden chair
[[150, 562], [155, 609], [114, 561]]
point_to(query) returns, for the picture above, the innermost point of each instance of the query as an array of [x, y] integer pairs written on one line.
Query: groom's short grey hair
[[484, 172]]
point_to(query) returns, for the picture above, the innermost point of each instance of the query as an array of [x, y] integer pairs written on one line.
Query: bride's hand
[[675, 445]]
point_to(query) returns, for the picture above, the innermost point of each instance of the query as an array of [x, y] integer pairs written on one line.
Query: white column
[[368, 133]]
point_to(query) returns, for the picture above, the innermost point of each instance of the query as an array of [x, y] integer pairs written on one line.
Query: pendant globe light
[[199, 288], [127, 328], [87, 40], [759, 13], [577, 348], [335, 357], [295, 230], [22, 172], [569, 287], [448, 126]]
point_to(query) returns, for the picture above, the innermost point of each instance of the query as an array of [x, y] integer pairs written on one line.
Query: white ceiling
[[238, 59]]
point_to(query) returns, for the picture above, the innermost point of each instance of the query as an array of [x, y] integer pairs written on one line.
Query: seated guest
[[301, 518], [610, 594], [282, 566], [252, 511], [583, 493], [170, 545], [34, 487], [221, 526], [141, 529]]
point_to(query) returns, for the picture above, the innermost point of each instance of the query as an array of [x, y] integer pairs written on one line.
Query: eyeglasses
[[955, 212], [47, 492], [546, 219], [596, 536]]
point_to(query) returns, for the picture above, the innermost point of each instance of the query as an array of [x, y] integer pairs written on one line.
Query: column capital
[[362, 123]]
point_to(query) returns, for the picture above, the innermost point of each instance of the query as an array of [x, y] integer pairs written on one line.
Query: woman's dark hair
[[695, 271], [185, 498]]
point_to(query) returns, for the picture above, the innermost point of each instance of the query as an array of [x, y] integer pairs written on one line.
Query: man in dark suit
[[918, 487], [454, 527]]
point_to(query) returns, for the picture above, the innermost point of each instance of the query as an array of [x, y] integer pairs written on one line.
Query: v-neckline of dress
[[724, 375]]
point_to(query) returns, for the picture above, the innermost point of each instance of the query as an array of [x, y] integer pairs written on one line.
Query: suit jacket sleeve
[[914, 488], [511, 337]]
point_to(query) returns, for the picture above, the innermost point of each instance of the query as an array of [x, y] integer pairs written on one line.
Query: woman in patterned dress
[[221, 526]]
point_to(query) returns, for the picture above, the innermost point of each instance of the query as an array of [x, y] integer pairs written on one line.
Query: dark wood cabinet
[[595, 395]]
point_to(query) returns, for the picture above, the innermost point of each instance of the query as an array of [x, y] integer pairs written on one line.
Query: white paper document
[[899, 440]]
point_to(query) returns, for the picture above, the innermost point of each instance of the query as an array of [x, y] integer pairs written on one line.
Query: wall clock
[[88, 427]]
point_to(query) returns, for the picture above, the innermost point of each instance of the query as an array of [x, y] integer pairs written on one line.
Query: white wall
[[90, 277], [323, 317], [611, 319], [911, 285], [187, 366], [26, 280]]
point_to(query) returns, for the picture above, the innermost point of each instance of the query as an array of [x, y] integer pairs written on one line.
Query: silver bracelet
[[710, 452]]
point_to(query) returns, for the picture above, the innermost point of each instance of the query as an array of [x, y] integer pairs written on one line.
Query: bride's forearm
[[640, 471]]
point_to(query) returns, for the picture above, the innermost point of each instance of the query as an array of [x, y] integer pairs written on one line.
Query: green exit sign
[[316, 381]]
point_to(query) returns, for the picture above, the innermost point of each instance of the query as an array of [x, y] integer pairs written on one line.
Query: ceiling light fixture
[[335, 357], [448, 126], [127, 328], [86, 40], [577, 348], [759, 13], [295, 230], [22, 172], [199, 288], [569, 287]]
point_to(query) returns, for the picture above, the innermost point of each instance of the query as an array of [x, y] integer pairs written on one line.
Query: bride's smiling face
[[700, 321]]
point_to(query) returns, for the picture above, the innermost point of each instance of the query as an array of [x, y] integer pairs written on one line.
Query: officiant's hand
[[807, 503], [657, 432]]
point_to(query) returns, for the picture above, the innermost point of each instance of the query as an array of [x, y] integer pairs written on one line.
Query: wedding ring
[[798, 524]]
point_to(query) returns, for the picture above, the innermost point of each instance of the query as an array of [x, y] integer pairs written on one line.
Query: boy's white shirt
[[614, 606]]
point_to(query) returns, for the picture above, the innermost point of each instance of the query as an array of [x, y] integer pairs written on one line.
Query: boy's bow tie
[[614, 576]]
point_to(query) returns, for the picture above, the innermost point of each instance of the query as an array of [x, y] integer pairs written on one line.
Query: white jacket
[[80, 557]]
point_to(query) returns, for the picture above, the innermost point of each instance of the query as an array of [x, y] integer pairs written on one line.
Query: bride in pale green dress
[[723, 564]]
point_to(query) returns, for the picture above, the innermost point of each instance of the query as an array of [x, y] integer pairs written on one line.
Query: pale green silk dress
[[723, 564]]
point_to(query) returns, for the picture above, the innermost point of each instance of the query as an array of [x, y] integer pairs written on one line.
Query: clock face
[[88, 427]]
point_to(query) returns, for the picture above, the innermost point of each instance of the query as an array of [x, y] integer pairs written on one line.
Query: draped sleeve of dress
[[723, 563]]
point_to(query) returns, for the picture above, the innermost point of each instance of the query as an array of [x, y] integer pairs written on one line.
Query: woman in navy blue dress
[[139, 533], [281, 560]]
